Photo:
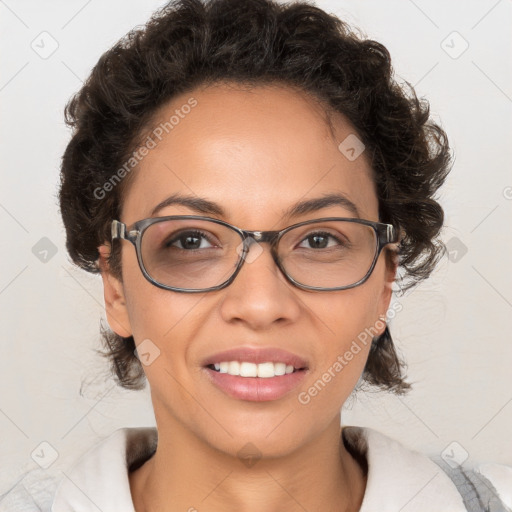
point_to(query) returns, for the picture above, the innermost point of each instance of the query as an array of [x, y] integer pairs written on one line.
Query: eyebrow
[[205, 206]]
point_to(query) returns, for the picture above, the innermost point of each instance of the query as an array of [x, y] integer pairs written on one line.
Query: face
[[255, 153]]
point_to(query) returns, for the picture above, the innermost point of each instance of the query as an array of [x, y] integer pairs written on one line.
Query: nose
[[260, 294]]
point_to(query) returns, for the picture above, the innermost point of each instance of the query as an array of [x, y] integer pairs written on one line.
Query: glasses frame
[[385, 234]]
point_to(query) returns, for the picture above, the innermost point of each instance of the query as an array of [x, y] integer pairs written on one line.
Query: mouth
[[255, 374]]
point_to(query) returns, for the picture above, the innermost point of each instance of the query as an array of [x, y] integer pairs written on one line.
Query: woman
[[248, 178]]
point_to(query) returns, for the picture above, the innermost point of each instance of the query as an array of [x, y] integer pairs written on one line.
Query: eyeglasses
[[190, 253]]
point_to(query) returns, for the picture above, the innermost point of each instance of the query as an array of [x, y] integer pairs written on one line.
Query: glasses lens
[[190, 253], [328, 254]]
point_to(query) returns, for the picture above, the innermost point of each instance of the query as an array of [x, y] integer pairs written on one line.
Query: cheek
[[154, 313], [349, 322], [349, 313]]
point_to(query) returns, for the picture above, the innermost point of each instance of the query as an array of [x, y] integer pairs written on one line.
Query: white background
[[454, 331]]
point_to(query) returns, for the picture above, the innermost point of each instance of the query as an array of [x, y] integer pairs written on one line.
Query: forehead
[[254, 151]]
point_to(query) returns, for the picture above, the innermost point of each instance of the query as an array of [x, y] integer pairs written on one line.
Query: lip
[[256, 389], [257, 355]]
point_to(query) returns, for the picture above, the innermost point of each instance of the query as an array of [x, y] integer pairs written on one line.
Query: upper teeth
[[246, 369]]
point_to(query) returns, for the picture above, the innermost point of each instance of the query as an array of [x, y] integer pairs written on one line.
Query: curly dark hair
[[191, 43]]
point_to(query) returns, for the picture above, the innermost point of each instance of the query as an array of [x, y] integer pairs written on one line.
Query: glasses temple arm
[[388, 235], [118, 230]]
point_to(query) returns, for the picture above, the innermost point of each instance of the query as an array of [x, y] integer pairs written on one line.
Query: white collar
[[99, 479], [398, 479]]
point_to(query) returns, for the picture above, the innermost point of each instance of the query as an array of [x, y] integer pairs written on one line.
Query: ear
[[391, 266], [113, 292]]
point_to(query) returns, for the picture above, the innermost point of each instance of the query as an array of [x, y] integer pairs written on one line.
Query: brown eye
[[189, 240], [322, 240]]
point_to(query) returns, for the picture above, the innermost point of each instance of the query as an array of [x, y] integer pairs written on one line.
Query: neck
[[187, 474]]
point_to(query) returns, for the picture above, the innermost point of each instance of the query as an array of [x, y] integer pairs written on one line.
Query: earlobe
[[113, 292]]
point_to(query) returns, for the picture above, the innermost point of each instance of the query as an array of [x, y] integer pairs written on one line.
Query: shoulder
[[487, 487], [97, 480], [501, 478], [403, 479], [31, 492], [100, 478]]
